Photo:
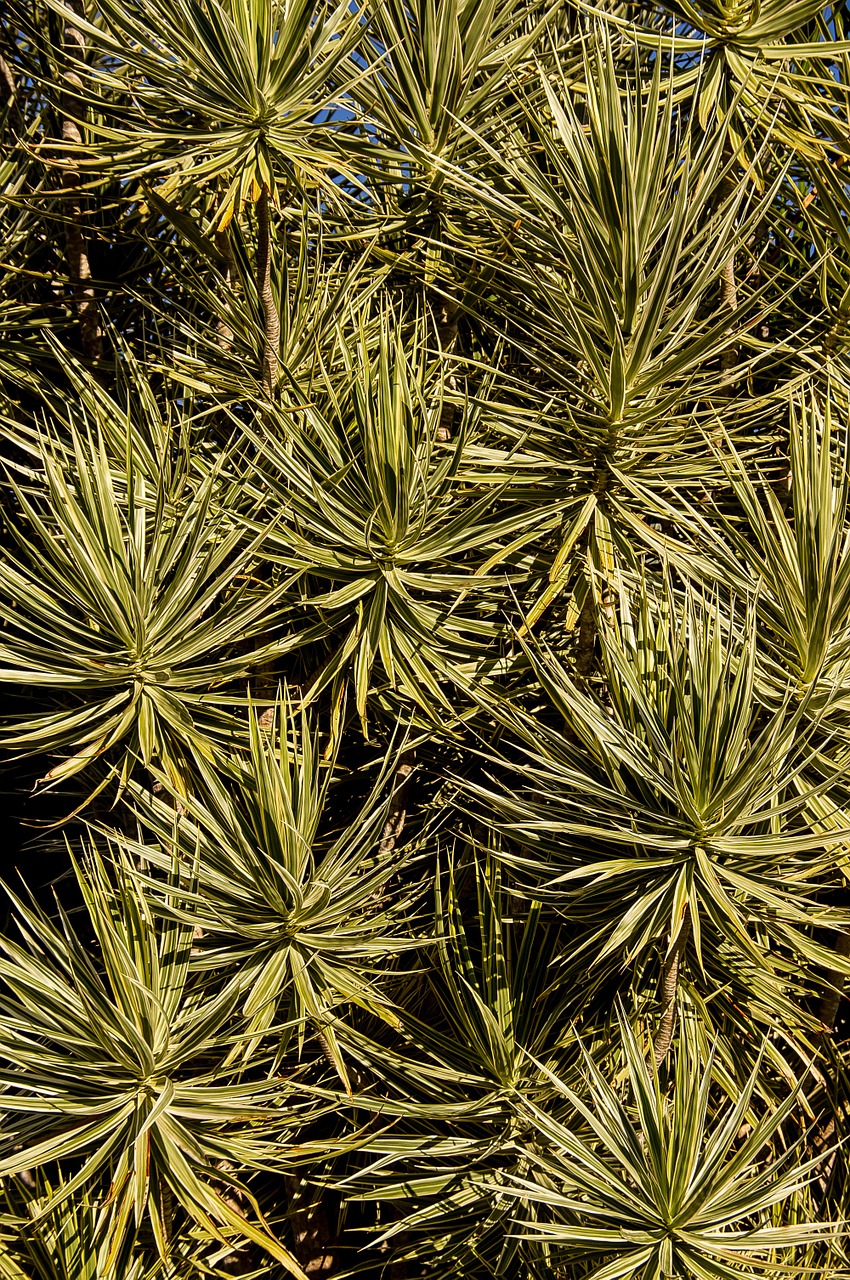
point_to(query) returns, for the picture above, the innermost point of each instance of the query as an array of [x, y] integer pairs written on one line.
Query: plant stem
[[271, 318], [728, 298], [586, 636], [222, 243], [447, 338], [397, 814], [7, 80], [669, 987], [313, 1244]]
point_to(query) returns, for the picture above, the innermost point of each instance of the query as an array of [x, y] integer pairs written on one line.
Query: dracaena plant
[[114, 1061], [624, 234], [227, 103], [446, 363], [437, 68], [295, 914], [380, 522], [312, 288], [625, 229], [220, 93], [764, 72], [122, 607], [667, 813], [657, 1179]]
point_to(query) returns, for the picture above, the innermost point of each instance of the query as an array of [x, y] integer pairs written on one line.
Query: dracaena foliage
[[105, 1057], [664, 1186], [424, 647], [223, 94], [672, 805], [453, 1091], [383, 526], [292, 915], [122, 605]]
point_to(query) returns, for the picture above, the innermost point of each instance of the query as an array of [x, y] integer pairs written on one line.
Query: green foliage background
[[425, 599]]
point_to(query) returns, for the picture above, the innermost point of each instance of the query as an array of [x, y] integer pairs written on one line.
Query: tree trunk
[[397, 814], [7, 80], [79, 270], [312, 1239], [222, 243]]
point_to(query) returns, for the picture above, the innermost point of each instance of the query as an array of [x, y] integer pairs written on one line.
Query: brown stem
[[271, 319], [311, 1234], [586, 635], [587, 619], [7, 80], [669, 987], [397, 814], [79, 269], [238, 1263], [729, 302]]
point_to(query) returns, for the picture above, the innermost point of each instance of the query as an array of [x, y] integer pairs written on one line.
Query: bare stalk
[[237, 1263], [271, 319], [397, 814], [447, 338], [729, 302], [728, 298], [586, 636], [312, 1240], [10, 93], [222, 243], [669, 987]]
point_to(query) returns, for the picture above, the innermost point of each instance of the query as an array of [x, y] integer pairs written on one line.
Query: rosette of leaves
[[437, 70], [222, 104], [799, 554], [665, 816], [293, 915], [761, 67], [383, 527], [647, 1181], [228, 93], [608, 297], [113, 1062], [124, 603]]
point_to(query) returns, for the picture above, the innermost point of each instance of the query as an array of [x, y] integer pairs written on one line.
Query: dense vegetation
[[425, 597]]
